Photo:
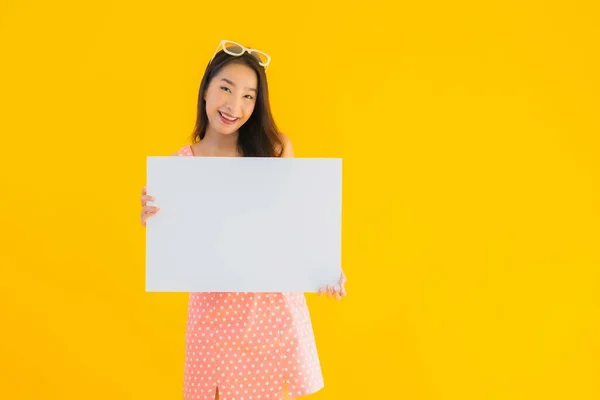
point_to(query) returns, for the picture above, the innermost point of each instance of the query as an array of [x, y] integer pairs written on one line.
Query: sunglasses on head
[[236, 50]]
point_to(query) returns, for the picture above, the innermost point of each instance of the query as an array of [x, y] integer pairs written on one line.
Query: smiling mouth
[[227, 119]]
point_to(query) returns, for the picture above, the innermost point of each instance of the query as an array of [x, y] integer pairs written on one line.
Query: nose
[[234, 107]]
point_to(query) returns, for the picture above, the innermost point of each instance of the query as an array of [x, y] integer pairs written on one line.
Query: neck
[[215, 144]]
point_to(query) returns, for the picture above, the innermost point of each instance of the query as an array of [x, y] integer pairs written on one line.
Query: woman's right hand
[[147, 211]]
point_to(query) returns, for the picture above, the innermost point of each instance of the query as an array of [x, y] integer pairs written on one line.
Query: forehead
[[241, 75]]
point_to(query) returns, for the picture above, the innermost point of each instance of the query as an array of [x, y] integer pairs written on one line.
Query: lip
[[225, 120]]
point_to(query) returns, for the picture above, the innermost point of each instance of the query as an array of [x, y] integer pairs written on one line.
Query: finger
[[343, 291], [338, 291], [143, 190], [148, 214], [148, 209], [329, 291], [320, 292], [145, 199], [342, 278]]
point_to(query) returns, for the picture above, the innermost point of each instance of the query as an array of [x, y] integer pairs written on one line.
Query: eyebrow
[[233, 84]]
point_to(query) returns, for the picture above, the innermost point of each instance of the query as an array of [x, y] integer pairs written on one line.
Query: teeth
[[226, 117]]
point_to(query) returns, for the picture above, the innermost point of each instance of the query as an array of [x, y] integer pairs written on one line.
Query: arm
[[288, 149]]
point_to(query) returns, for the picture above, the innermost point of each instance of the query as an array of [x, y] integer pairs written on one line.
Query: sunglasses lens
[[261, 57], [233, 48]]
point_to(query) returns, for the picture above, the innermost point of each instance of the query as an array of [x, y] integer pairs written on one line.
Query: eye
[[249, 96], [225, 88]]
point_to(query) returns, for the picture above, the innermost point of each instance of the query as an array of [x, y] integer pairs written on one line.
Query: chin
[[228, 132]]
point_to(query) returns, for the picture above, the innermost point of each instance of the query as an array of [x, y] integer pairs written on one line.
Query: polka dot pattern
[[248, 345]]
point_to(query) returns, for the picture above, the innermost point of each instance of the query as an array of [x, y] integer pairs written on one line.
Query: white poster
[[243, 224]]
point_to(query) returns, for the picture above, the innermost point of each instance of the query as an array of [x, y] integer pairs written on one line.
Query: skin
[[232, 93]]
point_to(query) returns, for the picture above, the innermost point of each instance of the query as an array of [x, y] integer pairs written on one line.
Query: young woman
[[244, 346]]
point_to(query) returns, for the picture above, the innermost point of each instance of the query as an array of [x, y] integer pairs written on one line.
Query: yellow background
[[469, 133]]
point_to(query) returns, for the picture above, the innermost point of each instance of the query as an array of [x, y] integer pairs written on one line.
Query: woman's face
[[230, 98]]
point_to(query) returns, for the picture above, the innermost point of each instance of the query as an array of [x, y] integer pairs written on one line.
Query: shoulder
[[288, 148], [184, 151]]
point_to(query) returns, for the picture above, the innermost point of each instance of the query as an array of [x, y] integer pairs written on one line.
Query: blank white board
[[230, 224]]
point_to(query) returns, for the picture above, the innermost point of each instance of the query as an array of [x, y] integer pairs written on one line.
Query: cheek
[[213, 100], [248, 109]]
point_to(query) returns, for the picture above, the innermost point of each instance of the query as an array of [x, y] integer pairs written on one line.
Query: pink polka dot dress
[[248, 345]]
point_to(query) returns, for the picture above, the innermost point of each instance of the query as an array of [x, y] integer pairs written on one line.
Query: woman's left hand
[[338, 291]]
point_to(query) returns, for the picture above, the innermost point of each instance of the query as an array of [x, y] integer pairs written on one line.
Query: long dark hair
[[259, 136]]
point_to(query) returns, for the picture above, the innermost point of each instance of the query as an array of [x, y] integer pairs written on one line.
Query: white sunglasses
[[236, 49]]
